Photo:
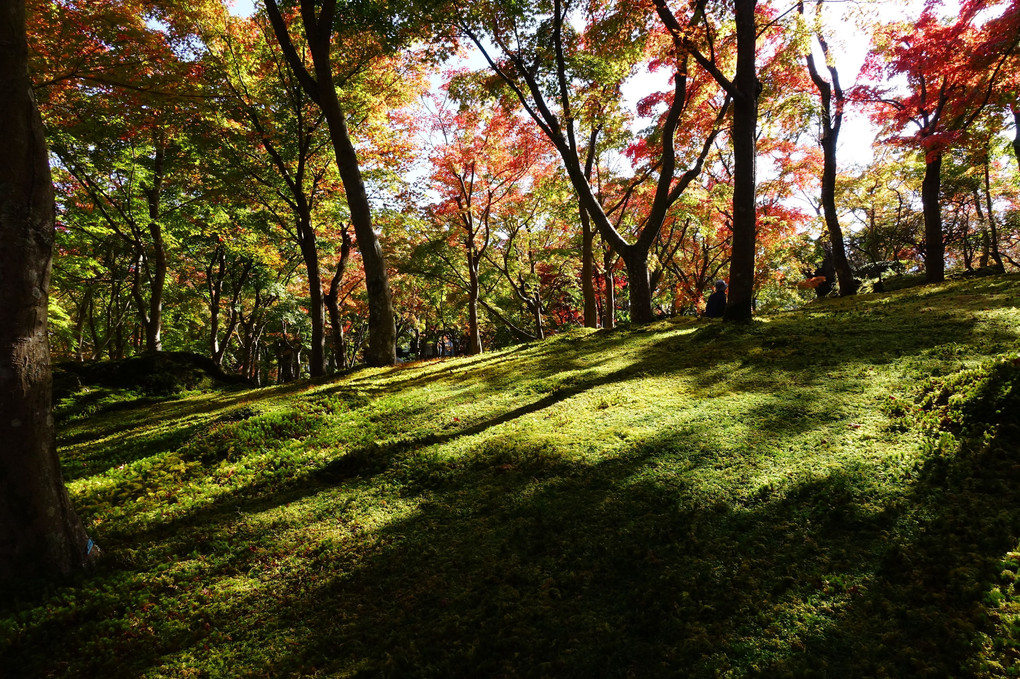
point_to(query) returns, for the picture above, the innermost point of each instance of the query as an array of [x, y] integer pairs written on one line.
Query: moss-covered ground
[[830, 492]]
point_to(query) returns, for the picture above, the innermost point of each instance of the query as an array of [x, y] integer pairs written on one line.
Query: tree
[[743, 88], [833, 101], [557, 77], [952, 68], [318, 26], [484, 164], [41, 533], [279, 149]]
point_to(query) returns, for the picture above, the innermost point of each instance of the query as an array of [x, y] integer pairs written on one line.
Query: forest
[[364, 338], [320, 185]]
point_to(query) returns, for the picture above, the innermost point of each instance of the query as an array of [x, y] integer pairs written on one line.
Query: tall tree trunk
[[745, 122], [474, 334], [382, 333], [154, 326], [934, 248], [310, 253], [609, 309], [536, 311], [1016, 136], [332, 300], [639, 285], [832, 123], [993, 226], [40, 534], [215, 272], [591, 317], [844, 274]]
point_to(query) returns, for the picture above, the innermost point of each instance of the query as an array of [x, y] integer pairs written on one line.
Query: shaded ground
[[831, 492]]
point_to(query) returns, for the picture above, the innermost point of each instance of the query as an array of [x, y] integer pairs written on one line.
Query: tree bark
[[591, 316], [474, 334], [382, 333], [154, 319], [745, 121], [609, 309], [832, 122], [993, 227], [332, 301], [40, 534], [310, 254], [934, 248]]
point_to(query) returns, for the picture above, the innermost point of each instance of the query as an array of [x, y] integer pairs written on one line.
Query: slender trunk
[[336, 332], [844, 274], [154, 321], [332, 300], [745, 122], [214, 274], [1016, 136], [474, 334], [310, 254], [609, 310], [382, 335], [536, 310], [591, 319], [934, 248], [993, 226], [42, 535]]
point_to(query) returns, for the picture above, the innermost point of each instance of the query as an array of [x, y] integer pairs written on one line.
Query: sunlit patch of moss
[[828, 491]]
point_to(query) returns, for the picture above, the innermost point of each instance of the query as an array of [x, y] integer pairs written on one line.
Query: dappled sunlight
[[747, 501]]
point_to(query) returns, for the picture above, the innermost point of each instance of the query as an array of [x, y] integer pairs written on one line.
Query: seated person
[[716, 301]]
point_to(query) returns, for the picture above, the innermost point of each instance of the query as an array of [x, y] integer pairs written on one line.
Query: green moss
[[828, 492]]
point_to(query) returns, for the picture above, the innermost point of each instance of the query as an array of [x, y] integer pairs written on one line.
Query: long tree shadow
[[523, 562]]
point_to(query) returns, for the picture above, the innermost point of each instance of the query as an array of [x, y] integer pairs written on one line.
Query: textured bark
[[382, 334], [474, 339], [310, 254], [745, 120], [934, 247], [40, 534], [832, 99], [591, 316]]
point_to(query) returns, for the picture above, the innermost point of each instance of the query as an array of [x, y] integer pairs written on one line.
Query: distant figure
[[716, 301]]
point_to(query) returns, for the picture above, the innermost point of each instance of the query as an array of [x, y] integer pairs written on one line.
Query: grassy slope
[[791, 499]]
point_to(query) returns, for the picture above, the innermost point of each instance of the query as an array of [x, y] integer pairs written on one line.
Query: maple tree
[[484, 163], [366, 41], [544, 64], [43, 535], [833, 102], [952, 67], [743, 88], [280, 147]]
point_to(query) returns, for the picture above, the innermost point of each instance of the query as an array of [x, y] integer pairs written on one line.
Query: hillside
[[830, 492]]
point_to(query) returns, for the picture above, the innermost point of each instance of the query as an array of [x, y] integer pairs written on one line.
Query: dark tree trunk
[[332, 300], [310, 254], [382, 335], [474, 339], [639, 285], [215, 272], [993, 227], [609, 310], [40, 534], [745, 121], [934, 248], [591, 316], [1016, 137], [832, 122], [154, 319]]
